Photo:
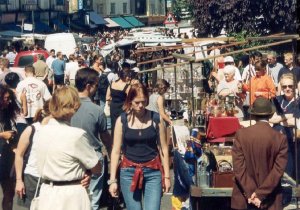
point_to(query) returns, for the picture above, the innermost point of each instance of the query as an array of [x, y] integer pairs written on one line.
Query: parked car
[[25, 58]]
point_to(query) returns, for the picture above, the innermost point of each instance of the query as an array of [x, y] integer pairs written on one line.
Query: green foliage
[[235, 16], [182, 9]]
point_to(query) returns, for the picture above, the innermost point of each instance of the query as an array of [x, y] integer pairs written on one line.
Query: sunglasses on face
[[287, 86]]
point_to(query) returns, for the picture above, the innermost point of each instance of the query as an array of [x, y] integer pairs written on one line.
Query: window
[[124, 8], [153, 9], [112, 8], [100, 8], [60, 2], [3, 1]]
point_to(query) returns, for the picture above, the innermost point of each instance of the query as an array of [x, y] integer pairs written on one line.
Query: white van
[[63, 42]]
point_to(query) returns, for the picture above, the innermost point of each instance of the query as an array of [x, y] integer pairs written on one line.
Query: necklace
[[142, 125], [285, 108]]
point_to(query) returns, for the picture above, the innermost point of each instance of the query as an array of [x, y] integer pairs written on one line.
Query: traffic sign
[[170, 19]]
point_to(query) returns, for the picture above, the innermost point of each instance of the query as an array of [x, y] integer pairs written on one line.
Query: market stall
[[211, 122]]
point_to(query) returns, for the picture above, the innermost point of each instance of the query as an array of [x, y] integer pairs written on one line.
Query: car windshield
[[25, 61]]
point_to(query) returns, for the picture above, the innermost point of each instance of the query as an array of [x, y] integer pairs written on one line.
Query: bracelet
[[109, 182]]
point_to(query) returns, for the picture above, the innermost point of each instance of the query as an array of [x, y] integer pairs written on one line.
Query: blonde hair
[[288, 55], [64, 103], [287, 76]]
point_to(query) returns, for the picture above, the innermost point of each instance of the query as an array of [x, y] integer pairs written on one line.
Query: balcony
[[29, 7], [8, 7], [59, 8]]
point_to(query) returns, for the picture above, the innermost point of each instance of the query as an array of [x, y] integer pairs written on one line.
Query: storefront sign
[[28, 27]]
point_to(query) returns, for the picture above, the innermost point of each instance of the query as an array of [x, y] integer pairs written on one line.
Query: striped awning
[[111, 23]]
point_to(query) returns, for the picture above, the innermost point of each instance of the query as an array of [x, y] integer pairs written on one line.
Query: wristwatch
[[109, 182]]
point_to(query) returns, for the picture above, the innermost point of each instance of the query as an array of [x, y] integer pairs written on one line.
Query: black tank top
[[118, 96], [140, 148]]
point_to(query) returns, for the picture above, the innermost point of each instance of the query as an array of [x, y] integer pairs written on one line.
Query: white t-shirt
[[36, 93], [31, 166], [49, 61], [71, 69]]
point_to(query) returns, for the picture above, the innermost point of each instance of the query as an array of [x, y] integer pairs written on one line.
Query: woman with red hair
[[141, 135]]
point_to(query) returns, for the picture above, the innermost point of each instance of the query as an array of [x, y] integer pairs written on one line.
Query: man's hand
[[254, 200], [85, 182]]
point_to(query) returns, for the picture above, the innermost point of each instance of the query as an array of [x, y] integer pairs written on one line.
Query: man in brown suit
[[259, 159]]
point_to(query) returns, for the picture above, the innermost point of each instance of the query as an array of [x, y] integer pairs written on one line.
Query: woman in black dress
[[117, 93]]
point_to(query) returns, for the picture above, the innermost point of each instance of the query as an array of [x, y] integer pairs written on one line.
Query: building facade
[[112, 7]]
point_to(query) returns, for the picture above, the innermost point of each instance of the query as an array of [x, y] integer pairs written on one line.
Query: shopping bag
[[34, 205]]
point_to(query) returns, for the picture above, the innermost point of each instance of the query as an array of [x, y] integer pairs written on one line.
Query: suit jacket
[[259, 159]]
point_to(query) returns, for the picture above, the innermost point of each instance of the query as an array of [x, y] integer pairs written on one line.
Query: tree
[[182, 9], [260, 17]]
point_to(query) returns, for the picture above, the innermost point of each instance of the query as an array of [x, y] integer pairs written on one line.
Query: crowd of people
[[55, 136], [54, 129]]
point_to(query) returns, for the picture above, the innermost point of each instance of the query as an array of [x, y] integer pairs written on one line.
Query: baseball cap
[[228, 59]]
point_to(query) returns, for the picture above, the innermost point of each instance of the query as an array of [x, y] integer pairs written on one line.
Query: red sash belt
[[138, 177]]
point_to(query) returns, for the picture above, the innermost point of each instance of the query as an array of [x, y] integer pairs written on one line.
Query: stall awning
[[40, 27], [59, 25], [11, 27], [134, 21], [122, 22], [111, 23], [97, 19]]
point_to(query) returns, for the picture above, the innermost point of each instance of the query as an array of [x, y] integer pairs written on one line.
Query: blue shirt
[[90, 117], [58, 67]]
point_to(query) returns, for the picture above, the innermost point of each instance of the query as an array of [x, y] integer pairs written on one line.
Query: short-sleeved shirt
[[91, 118], [36, 93], [274, 69], [58, 67], [64, 152], [294, 70]]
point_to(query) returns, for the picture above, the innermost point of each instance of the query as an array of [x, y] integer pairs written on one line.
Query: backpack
[[103, 85]]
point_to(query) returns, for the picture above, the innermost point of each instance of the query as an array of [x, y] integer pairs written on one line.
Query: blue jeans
[[96, 185], [151, 191]]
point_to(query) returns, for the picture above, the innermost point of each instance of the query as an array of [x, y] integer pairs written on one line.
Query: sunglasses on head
[[287, 86]]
